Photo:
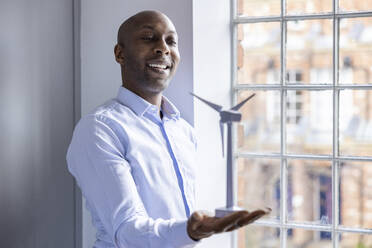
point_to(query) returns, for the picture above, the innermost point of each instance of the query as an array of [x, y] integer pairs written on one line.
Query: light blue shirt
[[136, 172]]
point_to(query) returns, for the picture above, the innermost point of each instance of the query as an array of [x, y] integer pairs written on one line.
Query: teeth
[[158, 66]]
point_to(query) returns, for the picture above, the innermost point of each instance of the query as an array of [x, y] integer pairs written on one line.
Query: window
[[304, 145]]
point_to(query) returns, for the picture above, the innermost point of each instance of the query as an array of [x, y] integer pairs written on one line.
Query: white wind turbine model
[[227, 116]]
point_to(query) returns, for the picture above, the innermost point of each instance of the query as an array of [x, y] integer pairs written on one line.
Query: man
[[133, 157]]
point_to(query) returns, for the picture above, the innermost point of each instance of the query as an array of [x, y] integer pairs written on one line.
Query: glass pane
[[258, 7], [354, 240], [309, 122], [356, 194], [259, 184], [308, 6], [309, 52], [259, 129], [258, 237], [356, 122], [355, 51], [258, 51], [299, 238], [310, 191], [355, 5]]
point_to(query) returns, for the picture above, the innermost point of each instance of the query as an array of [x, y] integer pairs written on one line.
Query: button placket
[[178, 170]]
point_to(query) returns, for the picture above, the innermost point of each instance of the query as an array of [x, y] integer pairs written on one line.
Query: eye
[[147, 37], [172, 42]]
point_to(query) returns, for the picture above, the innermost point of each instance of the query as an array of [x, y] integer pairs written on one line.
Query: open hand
[[201, 225]]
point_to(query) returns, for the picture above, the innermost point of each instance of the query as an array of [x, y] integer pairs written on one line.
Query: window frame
[[336, 229]]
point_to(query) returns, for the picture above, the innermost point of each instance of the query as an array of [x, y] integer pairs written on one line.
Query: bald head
[[136, 21]]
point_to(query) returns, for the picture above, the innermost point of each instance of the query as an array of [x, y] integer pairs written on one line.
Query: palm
[[201, 225]]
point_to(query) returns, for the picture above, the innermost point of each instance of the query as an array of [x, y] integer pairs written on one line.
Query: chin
[[156, 86]]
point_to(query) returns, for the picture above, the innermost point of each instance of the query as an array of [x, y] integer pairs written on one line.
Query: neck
[[153, 98]]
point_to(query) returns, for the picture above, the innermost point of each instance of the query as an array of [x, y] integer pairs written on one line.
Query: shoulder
[[94, 139], [105, 121], [111, 113], [101, 115]]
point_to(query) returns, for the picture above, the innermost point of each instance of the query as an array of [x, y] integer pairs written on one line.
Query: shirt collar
[[169, 109], [140, 106]]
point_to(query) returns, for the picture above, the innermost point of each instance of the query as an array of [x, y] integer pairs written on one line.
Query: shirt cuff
[[179, 236]]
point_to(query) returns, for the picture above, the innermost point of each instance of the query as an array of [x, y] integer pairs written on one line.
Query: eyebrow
[[147, 26]]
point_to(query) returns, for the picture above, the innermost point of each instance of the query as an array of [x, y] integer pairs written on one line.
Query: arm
[[96, 159]]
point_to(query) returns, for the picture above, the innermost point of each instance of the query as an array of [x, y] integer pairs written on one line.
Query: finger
[[251, 217], [267, 210], [224, 223], [232, 228], [246, 220]]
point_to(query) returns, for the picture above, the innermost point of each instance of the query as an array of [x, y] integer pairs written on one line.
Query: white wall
[[211, 31], [203, 29]]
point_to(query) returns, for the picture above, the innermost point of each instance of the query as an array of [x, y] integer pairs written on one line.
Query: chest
[[156, 151]]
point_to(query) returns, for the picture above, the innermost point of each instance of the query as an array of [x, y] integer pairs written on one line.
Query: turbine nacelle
[[230, 116]]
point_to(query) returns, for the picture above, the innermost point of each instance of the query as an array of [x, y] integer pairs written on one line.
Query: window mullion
[[335, 148], [233, 94], [283, 116]]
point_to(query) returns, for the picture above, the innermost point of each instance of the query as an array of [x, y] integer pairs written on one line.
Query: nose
[[161, 48]]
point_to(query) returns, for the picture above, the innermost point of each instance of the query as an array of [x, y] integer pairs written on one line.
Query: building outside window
[[304, 146]]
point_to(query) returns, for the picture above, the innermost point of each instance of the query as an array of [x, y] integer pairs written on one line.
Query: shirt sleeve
[[96, 159]]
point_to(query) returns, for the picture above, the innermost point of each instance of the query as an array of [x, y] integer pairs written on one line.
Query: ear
[[119, 54]]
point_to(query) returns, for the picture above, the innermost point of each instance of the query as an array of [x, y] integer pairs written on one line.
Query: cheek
[[176, 57], [130, 60], [135, 57]]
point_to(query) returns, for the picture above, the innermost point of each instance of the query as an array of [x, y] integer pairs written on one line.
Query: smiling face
[[147, 51]]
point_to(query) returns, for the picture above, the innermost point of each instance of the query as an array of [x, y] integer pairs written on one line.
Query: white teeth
[[158, 66]]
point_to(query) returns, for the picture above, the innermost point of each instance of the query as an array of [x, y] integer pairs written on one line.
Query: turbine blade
[[210, 104], [239, 105], [222, 138]]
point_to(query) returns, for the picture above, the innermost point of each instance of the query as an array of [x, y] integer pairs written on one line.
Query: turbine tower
[[227, 116]]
